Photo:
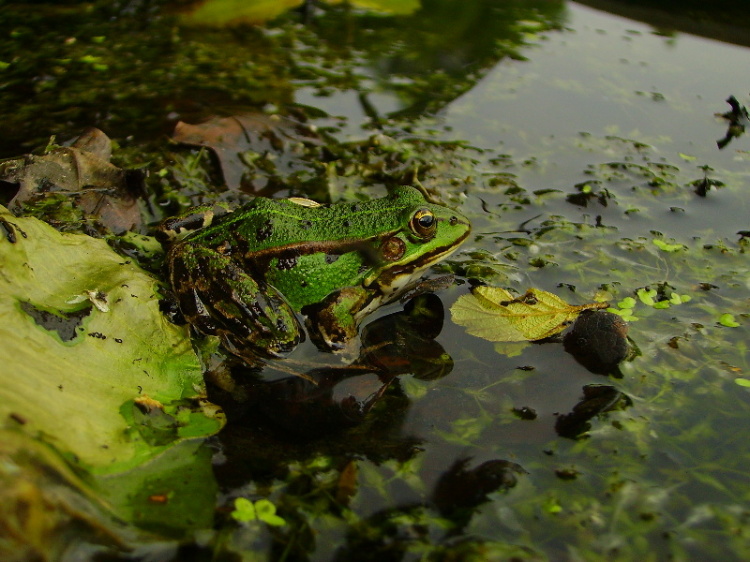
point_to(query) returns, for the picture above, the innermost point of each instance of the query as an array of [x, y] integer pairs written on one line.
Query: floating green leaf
[[262, 510], [266, 512], [666, 246], [232, 12], [496, 315], [647, 296], [742, 382], [728, 321], [244, 510]]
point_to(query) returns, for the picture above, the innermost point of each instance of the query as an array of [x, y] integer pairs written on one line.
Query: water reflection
[[416, 65], [597, 399], [390, 533], [723, 20], [332, 398]]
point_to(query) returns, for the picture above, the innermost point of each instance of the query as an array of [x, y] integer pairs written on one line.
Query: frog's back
[[264, 224]]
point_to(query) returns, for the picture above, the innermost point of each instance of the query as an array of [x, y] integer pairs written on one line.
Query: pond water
[[589, 167]]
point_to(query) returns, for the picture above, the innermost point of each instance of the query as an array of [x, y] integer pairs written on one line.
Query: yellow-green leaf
[[728, 321], [266, 512], [496, 315], [82, 389], [244, 510]]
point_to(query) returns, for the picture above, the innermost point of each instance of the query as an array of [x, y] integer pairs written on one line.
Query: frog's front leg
[[218, 297], [333, 323]]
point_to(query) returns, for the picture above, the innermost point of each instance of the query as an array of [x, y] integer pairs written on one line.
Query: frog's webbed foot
[[332, 324], [219, 298]]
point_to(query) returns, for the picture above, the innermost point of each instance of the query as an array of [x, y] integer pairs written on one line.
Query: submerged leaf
[[496, 315], [246, 143]]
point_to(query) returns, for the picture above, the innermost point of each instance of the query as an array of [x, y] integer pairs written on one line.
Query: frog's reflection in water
[[354, 410], [332, 398], [351, 413]]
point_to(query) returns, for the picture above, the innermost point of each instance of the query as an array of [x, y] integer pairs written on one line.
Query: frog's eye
[[423, 224]]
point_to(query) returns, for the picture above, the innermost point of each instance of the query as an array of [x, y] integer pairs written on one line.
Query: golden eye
[[423, 224]]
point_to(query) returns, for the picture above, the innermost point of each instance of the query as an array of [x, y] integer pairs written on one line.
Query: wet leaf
[[82, 173], [233, 12], [728, 321], [42, 498], [243, 143], [174, 492], [116, 356], [262, 510], [244, 510], [666, 246], [646, 296], [496, 315], [266, 512]]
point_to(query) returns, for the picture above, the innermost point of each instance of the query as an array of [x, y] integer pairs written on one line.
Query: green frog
[[245, 276]]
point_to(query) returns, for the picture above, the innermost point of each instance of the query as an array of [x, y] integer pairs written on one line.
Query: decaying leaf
[[496, 315], [43, 500], [83, 173], [242, 143], [94, 378]]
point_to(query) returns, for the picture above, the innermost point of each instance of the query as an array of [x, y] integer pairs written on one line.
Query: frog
[[264, 275]]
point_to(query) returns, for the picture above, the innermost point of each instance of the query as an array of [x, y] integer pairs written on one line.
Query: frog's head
[[424, 233]]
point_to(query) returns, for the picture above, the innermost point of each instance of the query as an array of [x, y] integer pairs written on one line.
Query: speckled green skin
[[244, 276]]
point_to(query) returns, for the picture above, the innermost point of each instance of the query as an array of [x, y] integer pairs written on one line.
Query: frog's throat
[[395, 279]]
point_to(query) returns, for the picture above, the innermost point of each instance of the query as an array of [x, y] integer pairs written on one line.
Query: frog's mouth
[[395, 280]]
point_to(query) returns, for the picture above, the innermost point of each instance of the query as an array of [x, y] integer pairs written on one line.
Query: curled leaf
[[496, 315]]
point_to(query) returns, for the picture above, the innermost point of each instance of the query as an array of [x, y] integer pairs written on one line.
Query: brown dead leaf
[[83, 170], [347, 484], [241, 142]]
